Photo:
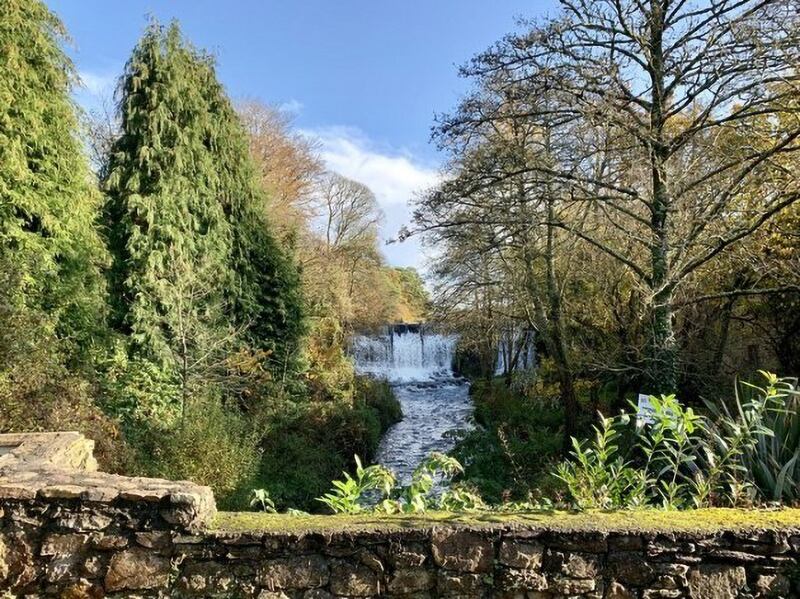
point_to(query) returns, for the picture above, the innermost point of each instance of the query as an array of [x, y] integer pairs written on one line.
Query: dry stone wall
[[68, 531]]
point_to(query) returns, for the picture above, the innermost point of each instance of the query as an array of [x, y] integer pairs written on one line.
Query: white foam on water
[[419, 366], [403, 357]]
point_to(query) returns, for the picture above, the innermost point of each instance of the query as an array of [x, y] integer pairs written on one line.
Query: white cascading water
[[516, 342], [419, 366], [406, 356]]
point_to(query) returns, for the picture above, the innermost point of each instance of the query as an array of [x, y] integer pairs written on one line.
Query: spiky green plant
[[756, 439]]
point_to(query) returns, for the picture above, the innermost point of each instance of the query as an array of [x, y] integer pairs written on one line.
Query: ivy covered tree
[[196, 269], [48, 203]]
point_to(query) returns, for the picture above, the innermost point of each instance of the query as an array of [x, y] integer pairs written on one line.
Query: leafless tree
[[101, 126], [288, 163], [671, 122]]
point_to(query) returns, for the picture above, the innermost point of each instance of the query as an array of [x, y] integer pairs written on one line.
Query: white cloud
[[395, 178], [292, 107], [98, 84]]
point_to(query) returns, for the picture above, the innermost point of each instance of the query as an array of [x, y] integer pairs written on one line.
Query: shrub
[[679, 459], [515, 445], [139, 392], [212, 445], [39, 392], [305, 445], [377, 395], [597, 476]]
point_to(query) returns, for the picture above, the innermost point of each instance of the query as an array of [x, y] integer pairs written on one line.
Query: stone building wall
[[68, 531]]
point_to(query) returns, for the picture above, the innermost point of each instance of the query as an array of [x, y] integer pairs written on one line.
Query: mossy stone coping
[[634, 521]]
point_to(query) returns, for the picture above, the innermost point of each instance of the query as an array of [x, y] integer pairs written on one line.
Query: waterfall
[[516, 351], [404, 353], [419, 365]]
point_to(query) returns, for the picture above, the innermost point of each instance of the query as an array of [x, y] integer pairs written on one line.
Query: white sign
[[644, 410]]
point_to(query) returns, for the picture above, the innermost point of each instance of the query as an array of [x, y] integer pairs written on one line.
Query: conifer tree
[[192, 249], [165, 223], [48, 202], [52, 298]]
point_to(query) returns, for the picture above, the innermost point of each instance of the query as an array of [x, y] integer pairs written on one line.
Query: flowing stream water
[[418, 365]]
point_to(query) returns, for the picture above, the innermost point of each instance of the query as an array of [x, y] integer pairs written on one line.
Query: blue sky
[[365, 77]]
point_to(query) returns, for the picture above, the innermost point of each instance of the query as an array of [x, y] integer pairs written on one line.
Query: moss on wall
[[705, 520]]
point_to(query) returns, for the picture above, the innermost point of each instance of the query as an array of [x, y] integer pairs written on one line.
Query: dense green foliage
[[166, 209], [48, 205], [211, 303], [771, 456], [185, 214], [307, 444], [51, 255], [208, 304], [672, 457], [201, 369], [513, 448]]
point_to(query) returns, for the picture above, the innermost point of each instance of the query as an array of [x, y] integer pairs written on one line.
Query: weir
[[418, 363], [404, 353]]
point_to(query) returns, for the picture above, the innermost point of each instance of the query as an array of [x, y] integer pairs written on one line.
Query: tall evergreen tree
[[167, 230], [194, 260], [52, 299], [48, 202]]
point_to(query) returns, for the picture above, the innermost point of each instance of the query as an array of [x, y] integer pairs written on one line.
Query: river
[[418, 365]]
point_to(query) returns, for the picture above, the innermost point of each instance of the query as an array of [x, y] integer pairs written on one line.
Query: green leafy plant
[[259, 498], [755, 443], [679, 459], [348, 496], [670, 438], [375, 488], [418, 496], [461, 498], [597, 476]]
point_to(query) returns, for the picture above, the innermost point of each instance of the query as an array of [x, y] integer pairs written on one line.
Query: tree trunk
[[663, 359], [722, 341], [571, 409], [558, 349], [662, 367]]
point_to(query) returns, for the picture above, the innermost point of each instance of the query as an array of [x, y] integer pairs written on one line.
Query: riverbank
[[513, 451], [515, 446], [307, 445]]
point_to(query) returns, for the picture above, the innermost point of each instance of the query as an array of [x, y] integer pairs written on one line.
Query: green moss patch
[[706, 520]]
